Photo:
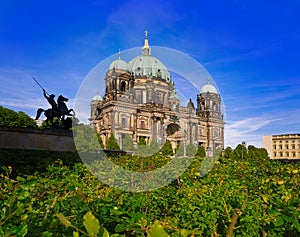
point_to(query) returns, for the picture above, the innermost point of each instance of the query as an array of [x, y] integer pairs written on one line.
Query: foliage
[[11, 118], [93, 228], [128, 143], [137, 163], [240, 152], [191, 150], [166, 149], [142, 141], [179, 151], [153, 147], [86, 138], [200, 152], [99, 140], [228, 152], [112, 143], [266, 192]]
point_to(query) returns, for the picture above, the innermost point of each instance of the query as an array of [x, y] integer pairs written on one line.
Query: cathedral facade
[[141, 100]]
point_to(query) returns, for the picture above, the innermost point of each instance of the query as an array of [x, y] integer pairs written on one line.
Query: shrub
[[112, 143], [167, 149]]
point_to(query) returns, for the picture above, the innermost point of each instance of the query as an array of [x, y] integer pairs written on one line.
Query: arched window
[[214, 106], [123, 86]]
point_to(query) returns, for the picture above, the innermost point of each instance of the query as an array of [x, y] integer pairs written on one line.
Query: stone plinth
[[36, 139]]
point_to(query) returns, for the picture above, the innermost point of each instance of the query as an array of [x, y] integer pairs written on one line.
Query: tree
[[87, 139], [112, 143], [127, 143], [142, 149], [153, 147], [228, 152], [11, 118], [100, 140], [179, 149], [200, 152], [142, 141], [167, 150], [240, 152], [191, 150]]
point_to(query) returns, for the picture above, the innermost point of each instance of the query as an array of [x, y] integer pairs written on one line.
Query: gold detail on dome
[[146, 48]]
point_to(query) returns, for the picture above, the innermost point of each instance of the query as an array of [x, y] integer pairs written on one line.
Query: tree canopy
[[112, 143], [11, 118]]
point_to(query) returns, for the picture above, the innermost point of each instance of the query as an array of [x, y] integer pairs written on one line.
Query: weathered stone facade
[[141, 100]]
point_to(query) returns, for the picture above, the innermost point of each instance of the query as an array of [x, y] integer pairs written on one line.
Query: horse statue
[[59, 112]]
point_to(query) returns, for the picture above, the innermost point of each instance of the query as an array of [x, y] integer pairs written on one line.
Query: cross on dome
[[146, 48], [119, 54]]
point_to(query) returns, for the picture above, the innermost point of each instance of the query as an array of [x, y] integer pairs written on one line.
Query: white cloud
[[246, 130]]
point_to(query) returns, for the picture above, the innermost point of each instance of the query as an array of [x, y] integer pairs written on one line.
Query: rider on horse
[[51, 100]]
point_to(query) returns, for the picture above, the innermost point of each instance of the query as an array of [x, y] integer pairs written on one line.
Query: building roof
[[208, 88], [97, 98], [119, 64], [147, 65]]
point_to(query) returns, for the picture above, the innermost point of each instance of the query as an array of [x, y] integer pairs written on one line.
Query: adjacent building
[[141, 100], [283, 147]]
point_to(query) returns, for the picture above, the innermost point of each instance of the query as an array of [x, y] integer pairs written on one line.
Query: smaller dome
[[208, 88], [119, 64], [97, 98]]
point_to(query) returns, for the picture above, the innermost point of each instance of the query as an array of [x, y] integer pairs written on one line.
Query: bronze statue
[[58, 110]]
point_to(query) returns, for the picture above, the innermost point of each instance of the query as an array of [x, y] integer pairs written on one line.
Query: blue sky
[[250, 48]]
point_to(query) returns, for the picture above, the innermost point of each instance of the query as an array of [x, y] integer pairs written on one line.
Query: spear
[[40, 85]]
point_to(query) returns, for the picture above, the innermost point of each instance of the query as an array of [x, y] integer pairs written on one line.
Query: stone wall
[[36, 139]]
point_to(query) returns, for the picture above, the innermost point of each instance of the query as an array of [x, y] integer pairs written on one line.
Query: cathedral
[[140, 100]]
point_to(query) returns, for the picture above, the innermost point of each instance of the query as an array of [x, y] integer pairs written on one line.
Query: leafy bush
[[167, 149], [200, 152], [11, 118], [128, 143], [112, 143], [266, 193]]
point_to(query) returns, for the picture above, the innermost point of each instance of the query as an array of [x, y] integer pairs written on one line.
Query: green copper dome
[[147, 65], [97, 98], [208, 88], [119, 64]]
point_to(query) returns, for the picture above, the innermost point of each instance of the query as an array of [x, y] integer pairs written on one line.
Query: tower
[[209, 110]]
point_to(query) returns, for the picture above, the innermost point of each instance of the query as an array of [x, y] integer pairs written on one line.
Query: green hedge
[[45, 184]]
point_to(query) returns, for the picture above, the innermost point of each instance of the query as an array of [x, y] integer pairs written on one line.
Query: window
[[142, 124], [138, 96], [123, 86], [144, 97], [280, 153], [287, 146], [123, 121], [293, 146], [274, 146]]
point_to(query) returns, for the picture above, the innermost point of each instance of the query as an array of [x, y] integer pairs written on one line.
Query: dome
[[119, 64], [97, 98], [147, 65], [208, 88]]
